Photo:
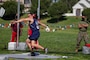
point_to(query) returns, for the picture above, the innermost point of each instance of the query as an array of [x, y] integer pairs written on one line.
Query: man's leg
[[86, 38], [38, 46], [79, 39], [36, 42], [28, 42]]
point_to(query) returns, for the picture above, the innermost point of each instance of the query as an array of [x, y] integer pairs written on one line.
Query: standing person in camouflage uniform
[[82, 35]]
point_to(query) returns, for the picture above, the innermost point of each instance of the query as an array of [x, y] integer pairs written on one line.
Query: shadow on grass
[[55, 20]]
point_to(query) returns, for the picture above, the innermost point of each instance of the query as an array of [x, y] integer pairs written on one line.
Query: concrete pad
[[3, 57], [27, 56]]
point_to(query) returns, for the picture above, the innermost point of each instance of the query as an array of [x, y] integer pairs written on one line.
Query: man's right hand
[[47, 29]]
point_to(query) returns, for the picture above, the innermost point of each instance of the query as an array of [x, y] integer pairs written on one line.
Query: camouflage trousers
[[82, 36]]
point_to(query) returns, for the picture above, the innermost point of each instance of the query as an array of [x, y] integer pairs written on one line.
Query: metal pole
[[38, 9], [30, 3], [18, 16]]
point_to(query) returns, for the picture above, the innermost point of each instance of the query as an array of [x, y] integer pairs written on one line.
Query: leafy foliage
[[86, 13], [57, 9], [54, 10], [34, 6], [44, 5], [69, 3], [11, 9]]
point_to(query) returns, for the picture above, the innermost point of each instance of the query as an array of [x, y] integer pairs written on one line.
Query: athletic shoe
[[46, 50], [33, 54]]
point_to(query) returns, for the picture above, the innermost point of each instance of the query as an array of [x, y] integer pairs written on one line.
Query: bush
[[57, 9], [11, 9], [86, 13]]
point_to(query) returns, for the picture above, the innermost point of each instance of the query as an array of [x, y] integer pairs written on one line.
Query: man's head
[[83, 18], [30, 15], [34, 15], [15, 19]]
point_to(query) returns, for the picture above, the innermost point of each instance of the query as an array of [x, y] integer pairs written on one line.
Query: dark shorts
[[35, 35]]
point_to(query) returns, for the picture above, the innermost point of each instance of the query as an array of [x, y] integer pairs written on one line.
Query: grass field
[[59, 43]]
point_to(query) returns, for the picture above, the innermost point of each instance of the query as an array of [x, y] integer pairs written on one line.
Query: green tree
[[34, 6], [86, 13], [57, 9], [44, 4], [69, 3], [11, 9]]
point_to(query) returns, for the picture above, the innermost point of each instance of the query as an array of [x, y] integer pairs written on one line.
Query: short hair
[[83, 18]]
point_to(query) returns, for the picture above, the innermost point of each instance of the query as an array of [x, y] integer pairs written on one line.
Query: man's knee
[[27, 41], [33, 44]]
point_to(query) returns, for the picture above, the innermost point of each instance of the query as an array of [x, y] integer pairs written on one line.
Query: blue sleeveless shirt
[[35, 30], [34, 26]]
